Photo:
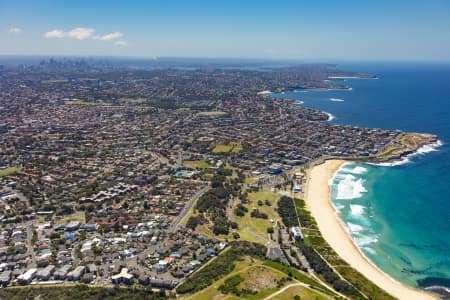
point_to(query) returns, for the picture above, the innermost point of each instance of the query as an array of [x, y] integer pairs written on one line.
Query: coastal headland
[[317, 198]]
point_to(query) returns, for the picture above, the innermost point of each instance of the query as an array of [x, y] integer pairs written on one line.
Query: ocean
[[398, 215]]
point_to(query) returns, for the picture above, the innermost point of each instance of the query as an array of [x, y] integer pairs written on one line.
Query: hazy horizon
[[291, 30]]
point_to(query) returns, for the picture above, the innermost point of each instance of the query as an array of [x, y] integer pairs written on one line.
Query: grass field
[[248, 226], [257, 277], [212, 291], [10, 171], [303, 292], [77, 216], [258, 225], [231, 147], [201, 164], [299, 275], [406, 141], [412, 139], [250, 180], [264, 278]]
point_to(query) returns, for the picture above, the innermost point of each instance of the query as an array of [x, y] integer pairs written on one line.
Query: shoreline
[[318, 201], [426, 148]]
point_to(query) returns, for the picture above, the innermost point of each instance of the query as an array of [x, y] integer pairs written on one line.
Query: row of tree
[[321, 267], [287, 211]]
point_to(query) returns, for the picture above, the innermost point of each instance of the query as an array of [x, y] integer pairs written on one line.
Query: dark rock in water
[[440, 290], [437, 285]]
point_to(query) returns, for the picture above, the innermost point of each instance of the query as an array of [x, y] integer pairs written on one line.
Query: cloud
[[54, 34], [84, 33], [109, 37], [15, 30], [79, 33], [120, 43]]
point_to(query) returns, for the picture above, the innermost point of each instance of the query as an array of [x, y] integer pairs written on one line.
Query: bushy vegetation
[[321, 267], [286, 210], [257, 214], [220, 266], [213, 203], [79, 291], [240, 210], [194, 221], [230, 285], [215, 197]]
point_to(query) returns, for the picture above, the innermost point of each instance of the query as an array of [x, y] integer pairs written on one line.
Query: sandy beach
[[317, 197]]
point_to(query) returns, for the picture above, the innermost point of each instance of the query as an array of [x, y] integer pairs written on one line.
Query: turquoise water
[[398, 215], [390, 221]]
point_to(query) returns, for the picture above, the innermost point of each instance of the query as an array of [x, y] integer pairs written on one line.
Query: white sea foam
[[421, 151], [370, 250], [344, 77], [365, 240], [428, 148], [350, 187], [354, 227], [392, 164], [299, 102], [437, 287], [356, 209], [330, 116], [346, 89], [339, 206], [358, 170], [336, 100]]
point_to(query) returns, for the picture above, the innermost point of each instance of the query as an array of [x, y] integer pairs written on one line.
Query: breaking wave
[[369, 250], [358, 170], [330, 117], [428, 148], [336, 100], [421, 151], [356, 209], [353, 228], [350, 187], [365, 240]]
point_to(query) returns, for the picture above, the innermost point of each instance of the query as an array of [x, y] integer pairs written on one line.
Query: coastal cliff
[[405, 144]]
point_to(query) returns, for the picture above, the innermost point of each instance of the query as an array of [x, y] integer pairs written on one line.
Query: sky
[[379, 30]]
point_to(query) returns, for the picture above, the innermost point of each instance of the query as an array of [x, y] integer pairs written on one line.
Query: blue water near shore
[[398, 215]]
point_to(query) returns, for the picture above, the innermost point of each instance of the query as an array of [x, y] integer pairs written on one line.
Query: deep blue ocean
[[398, 215]]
